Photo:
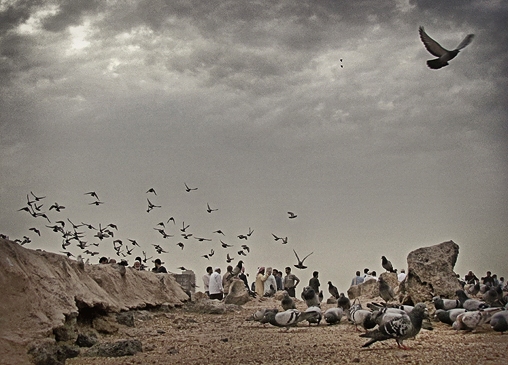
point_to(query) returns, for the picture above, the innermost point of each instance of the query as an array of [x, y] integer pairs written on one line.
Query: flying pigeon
[[499, 322], [300, 263], [385, 290], [287, 302], [333, 315], [332, 289], [400, 328], [387, 265], [292, 215], [209, 210], [187, 189], [437, 50], [151, 190]]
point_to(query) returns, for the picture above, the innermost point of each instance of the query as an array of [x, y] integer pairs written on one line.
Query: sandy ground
[[182, 337]]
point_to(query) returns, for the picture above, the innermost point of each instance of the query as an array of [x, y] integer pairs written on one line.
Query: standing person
[[278, 279], [260, 281], [401, 276], [270, 285], [314, 282], [206, 280], [290, 282], [158, 267], [227, 279], [357, 279], [243, 278], [215, 286]]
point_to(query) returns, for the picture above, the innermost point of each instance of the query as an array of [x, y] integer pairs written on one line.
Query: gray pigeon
[[333, 315], [445, 304], [316, 315], [310, 297], [385, 290], [332, 289], [469, 321], [387, 265], [399, 329], [491, 297], [343, 302], [259, 316], [289, 318], [468, 303], [498, 322], [437, 50], [361, 317], [448, 316], [474, 289], [287, 302]]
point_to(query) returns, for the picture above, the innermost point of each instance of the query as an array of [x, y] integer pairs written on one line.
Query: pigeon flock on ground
[[390, 319]]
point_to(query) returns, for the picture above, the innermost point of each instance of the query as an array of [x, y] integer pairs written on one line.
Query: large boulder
[[369, 289], [238, 294], [430, 273]]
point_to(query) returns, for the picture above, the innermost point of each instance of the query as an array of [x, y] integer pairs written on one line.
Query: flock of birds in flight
[[72, 232]]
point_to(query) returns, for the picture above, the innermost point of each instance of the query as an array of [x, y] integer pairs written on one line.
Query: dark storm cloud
[[69, 13]]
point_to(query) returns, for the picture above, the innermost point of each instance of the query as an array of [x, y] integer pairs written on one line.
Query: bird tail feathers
[[436, 64]]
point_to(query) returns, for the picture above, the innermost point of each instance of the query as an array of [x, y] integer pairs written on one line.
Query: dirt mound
[[41, 289]]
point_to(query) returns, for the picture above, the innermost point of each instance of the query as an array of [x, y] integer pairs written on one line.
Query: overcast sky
[[323, 108]]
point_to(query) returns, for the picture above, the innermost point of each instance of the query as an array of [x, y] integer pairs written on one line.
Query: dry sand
[[190, 338]]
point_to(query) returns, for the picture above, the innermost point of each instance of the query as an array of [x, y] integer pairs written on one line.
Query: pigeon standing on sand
[[316, 315], [385, 290], [448, 316], [469, 321], [333, 315], [445, 304], [361, 317], [387, 265], [287, 302], [400, 328], [437, 50], [237, 269], [310, 297], [288, 318], [499, 322], [468, 303], [332, 289], [343, 302]]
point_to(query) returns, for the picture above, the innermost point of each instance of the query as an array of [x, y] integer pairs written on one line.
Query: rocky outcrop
[[370, 289], [43, 294], [430, 273], [238, 294]]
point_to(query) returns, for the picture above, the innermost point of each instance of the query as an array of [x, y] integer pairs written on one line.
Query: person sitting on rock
[[357, 280], [158, 267], [488, 280], [471, 278]]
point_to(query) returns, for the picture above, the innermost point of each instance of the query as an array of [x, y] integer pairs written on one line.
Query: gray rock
[[430, 273], [115, 349], [51, 353], [238, 294], [125, 318], [105, 324], [86, 339]]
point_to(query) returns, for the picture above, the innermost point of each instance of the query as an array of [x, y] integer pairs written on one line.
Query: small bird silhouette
[[93, 194], [151, 190], [209, 210], [437, 50], [246, 248], [300, 263], [219, 232], [187, 189], [37, 198], [171, 219], [151, 206], [96, 203], [224, 244], [242, 236], [228, 258], [56, 207], [292, 215], [276, 238], [35, 230], [180, 244]]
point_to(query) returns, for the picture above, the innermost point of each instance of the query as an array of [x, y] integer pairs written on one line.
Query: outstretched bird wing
[[432, 46], [466, 41]]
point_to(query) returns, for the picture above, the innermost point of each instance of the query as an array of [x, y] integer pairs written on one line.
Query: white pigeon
[[469, 321], [437, 50]]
